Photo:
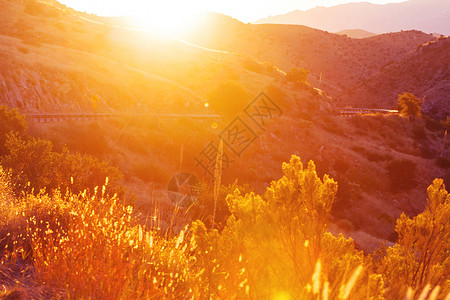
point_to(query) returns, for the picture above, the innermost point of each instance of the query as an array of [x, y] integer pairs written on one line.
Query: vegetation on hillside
[[67, 230], [409, 105], [275, 245], [33, 165]]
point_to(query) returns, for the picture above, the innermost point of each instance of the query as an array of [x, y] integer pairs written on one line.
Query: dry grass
[[92, 246]]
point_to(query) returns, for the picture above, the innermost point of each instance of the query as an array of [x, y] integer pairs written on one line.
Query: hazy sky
[[246, 11]]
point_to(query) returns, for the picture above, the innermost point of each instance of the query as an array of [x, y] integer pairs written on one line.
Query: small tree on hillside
[[409, 105], [298, 76]]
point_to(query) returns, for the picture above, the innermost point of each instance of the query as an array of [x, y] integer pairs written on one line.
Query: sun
[[167, 19]]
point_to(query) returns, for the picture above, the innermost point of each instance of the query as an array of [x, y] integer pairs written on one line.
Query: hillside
[[424, 72], [338, 61], [48, 70], [356, 33], [55, 59], [425, 15]]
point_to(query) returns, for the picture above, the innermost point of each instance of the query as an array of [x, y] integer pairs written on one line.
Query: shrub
[[10, 121], [298, 76], [409, 105], [90, 246], [277, 244], [35, 166], [203, 208], [420, 257]]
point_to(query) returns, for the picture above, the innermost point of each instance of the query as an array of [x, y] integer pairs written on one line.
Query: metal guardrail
[[364, 111], [50, 118]]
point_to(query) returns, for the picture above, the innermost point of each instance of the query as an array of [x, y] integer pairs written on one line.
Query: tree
[[298, 76], [409, 105]]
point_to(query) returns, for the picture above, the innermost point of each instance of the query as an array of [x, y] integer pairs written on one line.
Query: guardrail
[[50, 118], [364, 111]]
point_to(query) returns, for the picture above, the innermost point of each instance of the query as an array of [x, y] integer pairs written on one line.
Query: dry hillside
[[338, 61], [55, 59], [425, 72]]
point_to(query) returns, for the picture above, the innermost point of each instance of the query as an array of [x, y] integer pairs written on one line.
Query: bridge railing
[[50, 118], [356, 111]]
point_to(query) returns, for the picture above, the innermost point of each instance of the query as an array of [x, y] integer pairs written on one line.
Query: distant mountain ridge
[[356, 33], [425, 15]]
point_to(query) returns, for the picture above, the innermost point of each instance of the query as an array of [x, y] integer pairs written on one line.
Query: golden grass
[[91, 246]]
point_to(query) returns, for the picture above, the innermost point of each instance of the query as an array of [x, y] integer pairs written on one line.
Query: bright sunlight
[[166, 19]]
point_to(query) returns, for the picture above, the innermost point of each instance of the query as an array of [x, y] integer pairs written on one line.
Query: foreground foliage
[[275, 245]]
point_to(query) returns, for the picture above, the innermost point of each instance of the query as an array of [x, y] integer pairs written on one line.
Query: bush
[[298, 76], [420, 257], [34, 165], [89, 246], [10, 121], [409, 105]]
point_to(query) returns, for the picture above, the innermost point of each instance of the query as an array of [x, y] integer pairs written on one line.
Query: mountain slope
[[424, 72], [52, 60], [425, 15], [356, 33], [336, 62], [55, 60]]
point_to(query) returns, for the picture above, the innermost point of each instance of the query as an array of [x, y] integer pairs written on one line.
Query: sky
[[245, 11]]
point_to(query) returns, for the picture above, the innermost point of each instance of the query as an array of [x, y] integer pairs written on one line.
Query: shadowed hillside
[[424, 72]]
